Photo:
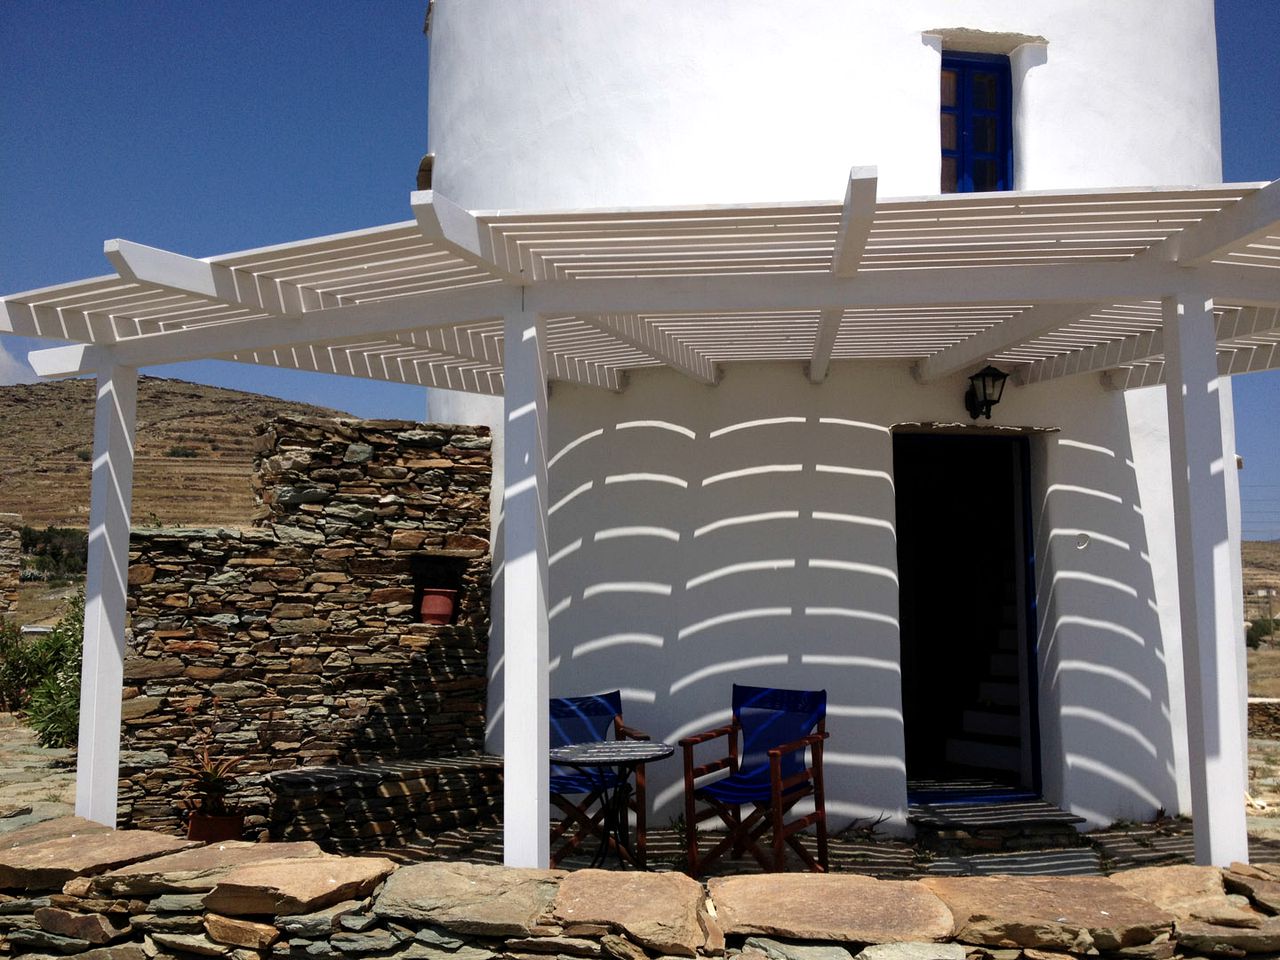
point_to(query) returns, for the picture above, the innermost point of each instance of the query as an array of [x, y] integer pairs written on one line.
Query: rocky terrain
[[194, 451]]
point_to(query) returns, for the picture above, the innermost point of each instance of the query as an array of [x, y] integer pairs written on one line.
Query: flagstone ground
[[38, 784]]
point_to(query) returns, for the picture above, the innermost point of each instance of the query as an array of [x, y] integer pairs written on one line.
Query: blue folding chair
[[776, 728], [589, 720]]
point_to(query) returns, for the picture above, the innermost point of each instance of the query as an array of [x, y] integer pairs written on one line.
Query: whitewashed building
[[757, 250]]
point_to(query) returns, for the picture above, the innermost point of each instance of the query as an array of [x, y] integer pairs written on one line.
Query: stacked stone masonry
[[10, 560], [296, 643], [74, 888]]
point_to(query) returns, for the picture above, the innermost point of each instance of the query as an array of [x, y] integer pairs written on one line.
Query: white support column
[[102, 676], [526, 801], [1211, 636]]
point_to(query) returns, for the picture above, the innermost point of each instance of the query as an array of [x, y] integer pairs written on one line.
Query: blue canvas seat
[[771, 732], [588, 720]]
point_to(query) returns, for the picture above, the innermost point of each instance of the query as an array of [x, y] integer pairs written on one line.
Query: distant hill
[[193, 461], [1261, 559]]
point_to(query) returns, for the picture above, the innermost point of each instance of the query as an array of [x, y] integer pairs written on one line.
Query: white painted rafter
[[342, 324], [711, 284], [1250, 218], [660, 344], [380, 362], [442, 221], [1146, 347], [1024, 327]]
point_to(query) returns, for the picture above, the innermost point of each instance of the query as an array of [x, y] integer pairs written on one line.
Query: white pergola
[[1141, 286]]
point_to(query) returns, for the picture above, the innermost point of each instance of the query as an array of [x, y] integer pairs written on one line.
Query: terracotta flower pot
[[437, 605], [212, 828]]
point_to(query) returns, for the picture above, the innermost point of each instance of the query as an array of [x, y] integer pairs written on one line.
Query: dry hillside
[[1261, 564], [194, 451]]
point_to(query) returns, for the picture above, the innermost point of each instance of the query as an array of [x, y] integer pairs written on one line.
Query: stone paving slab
[[49, 864], [470, 898], [49, 830], [198, 869], [289, 887], [657, 910], [842, 908], [1075, 914], [1189, 892]]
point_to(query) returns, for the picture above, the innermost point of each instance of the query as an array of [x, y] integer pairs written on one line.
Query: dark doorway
[[965, 575]]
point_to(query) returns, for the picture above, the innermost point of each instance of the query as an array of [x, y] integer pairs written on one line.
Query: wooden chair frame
[[745, 833]]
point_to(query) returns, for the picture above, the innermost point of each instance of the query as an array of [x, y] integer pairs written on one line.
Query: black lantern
[[985, 389]]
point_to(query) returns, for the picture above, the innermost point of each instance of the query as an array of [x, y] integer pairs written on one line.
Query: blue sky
[[210, 127]]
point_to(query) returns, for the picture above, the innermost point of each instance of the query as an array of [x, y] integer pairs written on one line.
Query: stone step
[[992, 723], [994, 753], [994, 825], [1059, 862], [377, 805], [1000, 692], [1003, 666]]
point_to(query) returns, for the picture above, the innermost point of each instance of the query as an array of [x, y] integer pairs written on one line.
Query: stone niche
[[295, 642]]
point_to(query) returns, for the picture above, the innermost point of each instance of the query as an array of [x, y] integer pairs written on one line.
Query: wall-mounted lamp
[[985, 389]]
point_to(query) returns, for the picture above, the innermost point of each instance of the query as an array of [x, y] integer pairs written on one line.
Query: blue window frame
[[977, 134]]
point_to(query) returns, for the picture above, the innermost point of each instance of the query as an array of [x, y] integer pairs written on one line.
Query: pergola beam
[[955, 286], [824, 342], [212, 281], [856, 218], [1145, 347], [1249, 219], [444, 222], [636, 332], [1025, 327]]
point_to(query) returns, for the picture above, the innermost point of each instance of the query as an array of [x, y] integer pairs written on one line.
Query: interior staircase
[[990, 734]]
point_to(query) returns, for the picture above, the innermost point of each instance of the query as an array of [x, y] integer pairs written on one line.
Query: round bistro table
[[597, 758]]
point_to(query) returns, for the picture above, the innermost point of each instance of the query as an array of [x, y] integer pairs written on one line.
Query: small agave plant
[[210, 779]]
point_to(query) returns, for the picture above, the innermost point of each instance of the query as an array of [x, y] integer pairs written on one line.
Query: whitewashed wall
[[553, 103], [746, 533]]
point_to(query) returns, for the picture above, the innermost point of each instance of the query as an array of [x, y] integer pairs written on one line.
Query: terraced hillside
[[194, 451], [1261, 564]]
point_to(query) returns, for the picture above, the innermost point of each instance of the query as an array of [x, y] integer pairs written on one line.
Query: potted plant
[[210, 778]]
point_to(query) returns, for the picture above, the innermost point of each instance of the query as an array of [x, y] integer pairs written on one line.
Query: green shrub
[[57, 551], [85, 454], [53, 710], [1260, 629], [15, 668], [188, 452], [40, 676]]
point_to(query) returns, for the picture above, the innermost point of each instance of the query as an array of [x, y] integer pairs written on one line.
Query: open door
[[965, 569]]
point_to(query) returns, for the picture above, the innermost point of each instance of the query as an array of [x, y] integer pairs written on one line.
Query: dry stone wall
[[296, 642], [10, 560], [72, 888]]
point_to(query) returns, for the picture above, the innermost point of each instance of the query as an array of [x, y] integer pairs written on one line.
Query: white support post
[[526, 803], [102, 676], [1211, 636]]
